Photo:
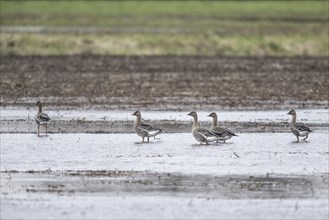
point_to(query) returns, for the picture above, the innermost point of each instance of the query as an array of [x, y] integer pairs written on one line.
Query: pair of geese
[[202, 135]]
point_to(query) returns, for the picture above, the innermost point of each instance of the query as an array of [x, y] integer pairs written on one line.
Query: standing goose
[[41, 118], [225, 133], [298, 129], [203, 135], [144, 130]]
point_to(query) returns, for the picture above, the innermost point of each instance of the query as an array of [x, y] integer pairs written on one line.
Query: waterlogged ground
[[102, 176], [249, 153], [92, 166]]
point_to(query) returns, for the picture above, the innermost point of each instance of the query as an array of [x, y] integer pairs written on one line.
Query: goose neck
[[138, 121], [293, 120], [195, 122], [214, 122]]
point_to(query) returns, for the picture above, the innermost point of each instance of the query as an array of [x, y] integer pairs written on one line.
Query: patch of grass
[[275, 28], [158, 8], [138, 44], [194, 15]]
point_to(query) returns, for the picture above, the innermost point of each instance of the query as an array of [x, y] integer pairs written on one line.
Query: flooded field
[[109, 194], [93, 166], [79, 175]]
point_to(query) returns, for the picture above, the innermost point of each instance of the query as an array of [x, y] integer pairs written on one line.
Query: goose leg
[[38, 130], [46, 130], [143, 140], [305, 138], [148, 139], [297, 139]]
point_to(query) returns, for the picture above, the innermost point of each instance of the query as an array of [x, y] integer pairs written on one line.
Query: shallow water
[[53, 206], [101, 176], [257, 153], [75, 173]]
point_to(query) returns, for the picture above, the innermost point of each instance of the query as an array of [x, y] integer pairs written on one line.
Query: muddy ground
[[165, 82]]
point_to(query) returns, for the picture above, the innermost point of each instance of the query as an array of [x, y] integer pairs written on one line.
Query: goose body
[[298, 129], [224, 133], [144, 130], [42, 119], [202, 135]]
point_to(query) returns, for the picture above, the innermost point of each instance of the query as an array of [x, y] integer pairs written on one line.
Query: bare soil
[[165, 81]]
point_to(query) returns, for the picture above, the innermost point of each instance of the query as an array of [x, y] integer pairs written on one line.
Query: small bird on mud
[[225, 133], [144, 130], [298, 129], [41, 118], [203, 135]]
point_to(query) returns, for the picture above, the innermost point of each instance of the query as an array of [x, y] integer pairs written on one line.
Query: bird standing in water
[[203, 135], [225, 133], [298, 129], [144, 130], [42, 119]]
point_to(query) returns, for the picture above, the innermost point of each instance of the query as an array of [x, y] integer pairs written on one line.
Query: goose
[[225, 133], [298, 129], [42, 119], [144, 130], [202, 135]]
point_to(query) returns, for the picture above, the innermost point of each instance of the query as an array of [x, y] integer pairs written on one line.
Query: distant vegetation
[[279, 28]]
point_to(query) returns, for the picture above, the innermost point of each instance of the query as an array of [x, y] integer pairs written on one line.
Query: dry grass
[[165, 44]]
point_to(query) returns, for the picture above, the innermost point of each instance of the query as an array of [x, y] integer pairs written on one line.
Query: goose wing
[[224, 131], [302, 127], [149, 128], [42, 117], [207, 133]]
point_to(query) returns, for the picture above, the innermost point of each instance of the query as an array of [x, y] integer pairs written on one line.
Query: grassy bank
[[139, 44], [41, 10], [275, 28]]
